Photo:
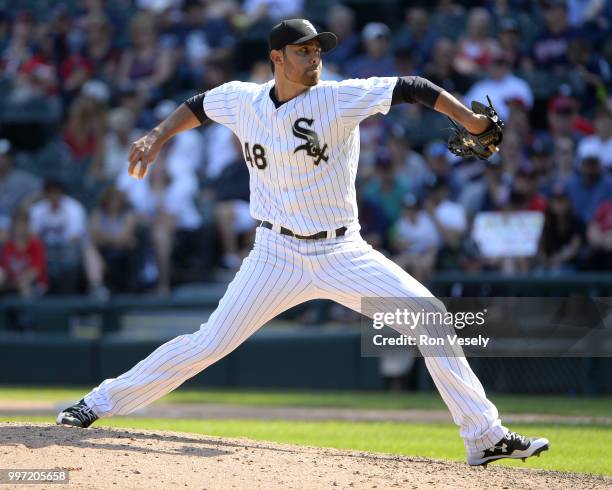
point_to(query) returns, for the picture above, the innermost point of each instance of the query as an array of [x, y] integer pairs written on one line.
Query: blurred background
[[97, 269]]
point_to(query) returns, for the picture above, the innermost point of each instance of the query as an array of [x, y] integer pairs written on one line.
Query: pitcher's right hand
[[142, 154]]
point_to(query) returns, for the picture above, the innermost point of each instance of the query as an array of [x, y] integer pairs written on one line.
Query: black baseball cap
[[298, 31]]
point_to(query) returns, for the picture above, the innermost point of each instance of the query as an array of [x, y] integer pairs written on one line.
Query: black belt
[[317, 236]]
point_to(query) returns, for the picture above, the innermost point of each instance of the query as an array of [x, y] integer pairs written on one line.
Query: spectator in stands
[[218, 147], [185, 151], [119, 137], [477, 46], [60, 25], [561, 236], [410, 167], [165, 205], [341, 21], [416, 34], [129, 99], [98, 91], [526, 188], [512, 264], [61, 223], [589, 188], [377, 60], [490, 193], [65, 47], [509, 35], [20, 46], [589, 72], [449, 17], [518, 119], [549, 49], [415, 240], [516, 135], [232, 217], [145, 65], [100, 49], [561, 114], [406, 61], [564, 119], [440, 169], [204, 39], [85, 126], [37, 76], [501, 85], [599, 237], [450, 221], [219, 150], [601, 142], [374, 226], [540, 155], [385, 189], [217, 74], [564, 161], [74, 71], [112, 228], [22, 260], [18, 188], [441, 70]]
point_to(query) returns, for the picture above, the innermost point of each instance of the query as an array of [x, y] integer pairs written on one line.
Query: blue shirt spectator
[[386, 191], [377, 60], [216, 31], [549, 49], [588, 189], [342, 23], [417, 35]]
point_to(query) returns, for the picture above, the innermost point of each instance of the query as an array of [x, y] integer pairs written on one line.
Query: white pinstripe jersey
[[302, 156]]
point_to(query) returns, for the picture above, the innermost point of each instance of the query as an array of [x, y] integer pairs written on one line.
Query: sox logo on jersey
[[312, 146]]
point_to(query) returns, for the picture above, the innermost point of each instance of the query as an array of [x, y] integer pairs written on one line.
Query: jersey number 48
[[259, 156]]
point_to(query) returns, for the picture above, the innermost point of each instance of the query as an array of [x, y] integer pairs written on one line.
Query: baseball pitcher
[[300, 139]]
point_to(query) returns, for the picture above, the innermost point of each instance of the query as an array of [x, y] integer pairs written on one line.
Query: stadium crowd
[[82, 80]]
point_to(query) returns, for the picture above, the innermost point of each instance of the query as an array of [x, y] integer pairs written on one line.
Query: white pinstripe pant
[[281, 272]]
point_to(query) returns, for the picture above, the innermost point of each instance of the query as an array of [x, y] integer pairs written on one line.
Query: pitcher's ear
[[276, 56]]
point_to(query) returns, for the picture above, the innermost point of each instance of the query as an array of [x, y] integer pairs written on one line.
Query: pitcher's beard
[[308, 77], [311, 78], [311, 81]]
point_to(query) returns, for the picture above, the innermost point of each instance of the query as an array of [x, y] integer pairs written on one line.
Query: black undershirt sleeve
[[196, 105], [415, 89]]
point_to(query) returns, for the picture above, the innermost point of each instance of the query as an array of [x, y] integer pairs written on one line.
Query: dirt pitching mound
[[131, 458]]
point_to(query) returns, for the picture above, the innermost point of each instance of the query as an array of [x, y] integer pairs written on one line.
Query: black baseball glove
[[467, 145]]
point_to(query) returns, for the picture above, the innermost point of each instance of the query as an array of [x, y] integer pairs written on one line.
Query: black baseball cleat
[[78, 415], [513, 446]]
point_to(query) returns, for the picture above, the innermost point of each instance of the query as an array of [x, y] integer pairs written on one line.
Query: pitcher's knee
[[437, 321], [209, 345]]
